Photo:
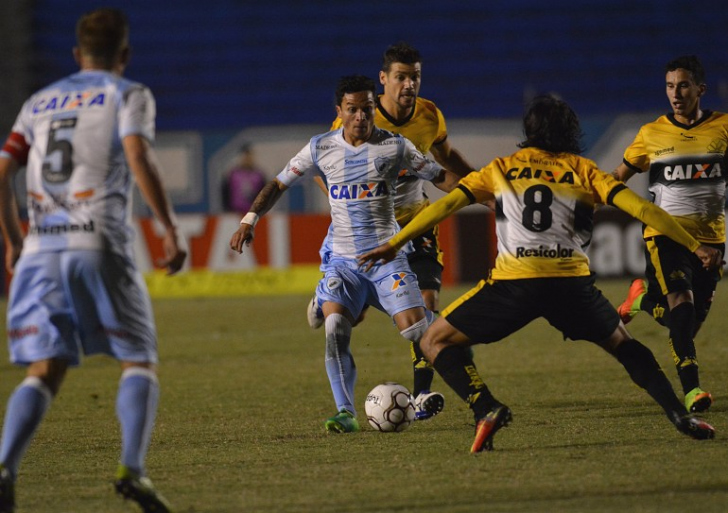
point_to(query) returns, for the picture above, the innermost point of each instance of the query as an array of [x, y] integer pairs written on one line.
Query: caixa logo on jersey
[[692, 172], [358, 191]]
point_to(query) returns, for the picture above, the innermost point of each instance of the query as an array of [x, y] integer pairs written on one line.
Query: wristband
[[250, 218]]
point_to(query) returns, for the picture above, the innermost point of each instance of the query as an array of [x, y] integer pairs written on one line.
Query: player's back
[[77, 178], [544, 214]]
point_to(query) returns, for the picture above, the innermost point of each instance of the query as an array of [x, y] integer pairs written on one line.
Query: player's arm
[[450, 158], [264, 201], [422, 222], [655, 217], [143, 164], [9, 218], [624, 172], [446, 181], [320, 182]]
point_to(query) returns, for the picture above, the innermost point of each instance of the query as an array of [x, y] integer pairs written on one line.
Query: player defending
[[684, 153], [361, 163], [545, 196], [402, 111], [76, 288]]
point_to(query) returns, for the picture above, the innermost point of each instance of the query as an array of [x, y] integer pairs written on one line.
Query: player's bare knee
[[49, 372]]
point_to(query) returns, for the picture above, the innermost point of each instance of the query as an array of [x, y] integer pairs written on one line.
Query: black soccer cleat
[[695, 427]]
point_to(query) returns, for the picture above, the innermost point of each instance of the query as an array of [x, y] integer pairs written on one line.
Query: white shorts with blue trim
[[66, 303]]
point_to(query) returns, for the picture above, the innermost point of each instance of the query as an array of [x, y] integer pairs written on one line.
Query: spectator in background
[[243, 182]]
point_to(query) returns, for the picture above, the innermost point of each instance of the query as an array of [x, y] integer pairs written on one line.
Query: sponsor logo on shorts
[[333, 283], [22, 332], [543, 252], [398, 280]]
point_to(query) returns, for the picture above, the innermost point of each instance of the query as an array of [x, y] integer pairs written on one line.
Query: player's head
[[684, 85], [102, 37], [355, 106], [551, 125], [401, 76]]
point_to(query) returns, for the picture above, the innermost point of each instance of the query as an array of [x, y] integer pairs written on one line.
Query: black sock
[[656, 308], [456, 367], [423, 371], [646, 372], [682, 327]]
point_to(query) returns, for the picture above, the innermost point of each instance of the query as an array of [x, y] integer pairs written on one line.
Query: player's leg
[[42, 336], [591, 317], [486, 313], [343, 294], [429, 277], [115, 318]]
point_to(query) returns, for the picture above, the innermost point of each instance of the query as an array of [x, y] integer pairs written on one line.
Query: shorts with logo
[[390, 287], [671, 267], [495, 309], [66, 303], [426, 259]]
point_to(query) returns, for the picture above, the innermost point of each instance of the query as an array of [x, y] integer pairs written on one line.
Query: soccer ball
[[390, 407]]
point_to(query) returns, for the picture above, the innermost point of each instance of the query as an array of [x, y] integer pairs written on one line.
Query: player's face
[[357, 116], [402, 83], [684, 94]]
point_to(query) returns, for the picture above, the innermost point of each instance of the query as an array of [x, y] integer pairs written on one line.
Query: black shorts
[[671, 267], [495, 309], [426, 260]]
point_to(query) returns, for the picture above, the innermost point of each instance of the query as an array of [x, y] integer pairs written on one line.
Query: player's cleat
[[428, 404], [698, 400], [628, 309], [486, 427], [342, 422], [314, 314], [7, 491], [140, 489], [695, 428]]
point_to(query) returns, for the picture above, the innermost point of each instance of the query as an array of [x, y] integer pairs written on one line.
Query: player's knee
[[415, 331], [338, 334]]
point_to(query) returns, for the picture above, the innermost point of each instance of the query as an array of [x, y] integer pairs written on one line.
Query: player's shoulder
[[426, 104]]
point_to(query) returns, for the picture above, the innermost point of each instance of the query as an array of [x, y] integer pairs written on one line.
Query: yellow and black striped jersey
[[424, 127], [544, 213], [686, 176]]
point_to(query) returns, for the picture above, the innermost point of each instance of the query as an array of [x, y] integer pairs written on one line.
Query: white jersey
[[78, 180], [361, 182]]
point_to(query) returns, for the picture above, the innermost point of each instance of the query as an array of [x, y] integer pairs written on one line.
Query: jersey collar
[[706, 115], [389, 118]]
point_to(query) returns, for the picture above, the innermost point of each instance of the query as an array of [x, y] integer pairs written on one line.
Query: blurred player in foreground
[[401, 110], [76, 288], [684, 153], [545, 195], [361, 163]]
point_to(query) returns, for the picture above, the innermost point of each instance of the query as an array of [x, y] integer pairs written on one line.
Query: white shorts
[[391, 287], [65, 303]]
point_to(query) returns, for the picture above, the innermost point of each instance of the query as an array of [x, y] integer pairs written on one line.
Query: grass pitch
[[245, 394]]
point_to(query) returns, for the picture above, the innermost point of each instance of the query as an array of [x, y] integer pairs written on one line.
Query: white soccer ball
[[390, 407]]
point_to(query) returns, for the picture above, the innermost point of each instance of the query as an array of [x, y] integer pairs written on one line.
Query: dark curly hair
[[551, 125], [353, 84]]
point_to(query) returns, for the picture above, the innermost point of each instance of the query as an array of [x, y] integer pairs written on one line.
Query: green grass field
[[244, 396]]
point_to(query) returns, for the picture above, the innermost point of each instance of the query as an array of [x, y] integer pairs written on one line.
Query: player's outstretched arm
[[451, 159], [657, 218], [623, 172], [9, 219], [423, 221], [263, 202], [143, 164]]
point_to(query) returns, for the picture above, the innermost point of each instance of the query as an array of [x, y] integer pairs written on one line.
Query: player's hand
[[12, 253], [711, 257], [380, 255], [174, 255], [244, 234]]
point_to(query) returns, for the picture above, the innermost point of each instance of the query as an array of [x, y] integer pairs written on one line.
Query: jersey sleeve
[[480, 184], [417, 164], [635, 156], [298, 166], [137, 113], [336, 124], [441, 128]]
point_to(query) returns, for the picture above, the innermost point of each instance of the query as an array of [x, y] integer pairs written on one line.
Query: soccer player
[[684, 153], [401, 110], [361, 163], [76, 288], [545, 196]]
